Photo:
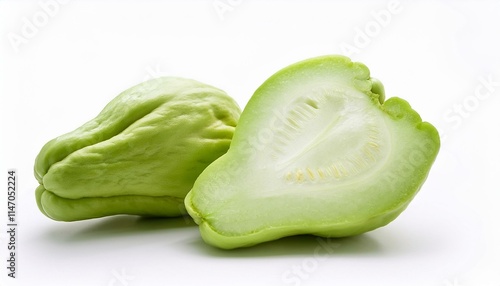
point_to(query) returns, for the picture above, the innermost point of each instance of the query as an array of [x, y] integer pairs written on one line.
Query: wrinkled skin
[[318, 150], [140, 155]]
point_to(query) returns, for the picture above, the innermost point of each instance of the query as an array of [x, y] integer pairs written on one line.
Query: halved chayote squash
[[140, 155], [317, 150]]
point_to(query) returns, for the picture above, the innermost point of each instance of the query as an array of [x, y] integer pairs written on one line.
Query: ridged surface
[[148, 145]]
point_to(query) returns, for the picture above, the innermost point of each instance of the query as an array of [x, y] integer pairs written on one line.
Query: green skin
[[317, 151], [140, 155]]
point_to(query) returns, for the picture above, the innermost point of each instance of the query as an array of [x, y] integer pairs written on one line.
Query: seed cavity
[[326, 135], [299, 175], [296, 118], [321, 173], [317, 123], [312, 103]]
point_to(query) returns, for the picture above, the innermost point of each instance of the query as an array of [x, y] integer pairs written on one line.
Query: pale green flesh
[[314, 152]]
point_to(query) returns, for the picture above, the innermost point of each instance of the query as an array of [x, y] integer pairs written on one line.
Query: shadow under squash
[[112, 227], [298, 245]]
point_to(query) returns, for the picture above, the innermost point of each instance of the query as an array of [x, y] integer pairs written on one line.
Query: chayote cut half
[[318, 150], [140, 155]]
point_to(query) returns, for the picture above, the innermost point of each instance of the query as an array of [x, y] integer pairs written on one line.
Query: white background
[[60, 63]]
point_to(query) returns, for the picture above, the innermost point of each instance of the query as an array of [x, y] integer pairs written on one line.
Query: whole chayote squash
[[140, 155]]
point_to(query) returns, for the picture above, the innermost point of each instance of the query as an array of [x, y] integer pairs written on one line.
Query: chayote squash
[[140, 155], [318, 150]]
